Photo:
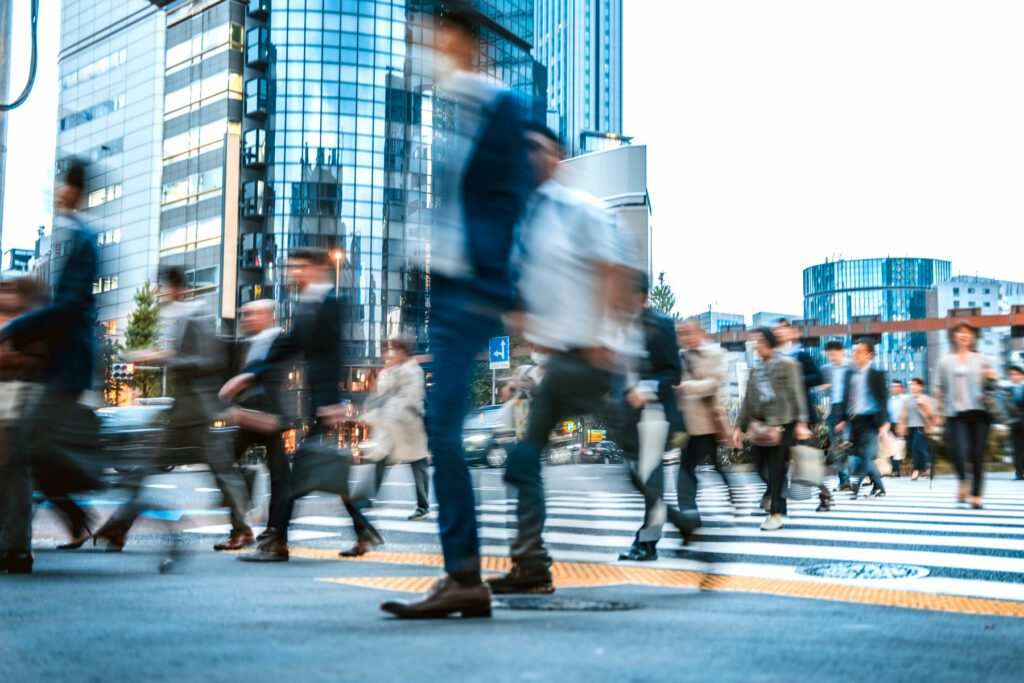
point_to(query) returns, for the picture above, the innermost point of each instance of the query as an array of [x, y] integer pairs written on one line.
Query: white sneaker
[[771, 523]]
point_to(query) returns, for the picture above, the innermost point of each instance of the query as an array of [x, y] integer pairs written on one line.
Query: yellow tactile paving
[[579, 575]]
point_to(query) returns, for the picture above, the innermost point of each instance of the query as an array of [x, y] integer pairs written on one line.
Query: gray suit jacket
[[790, 402]]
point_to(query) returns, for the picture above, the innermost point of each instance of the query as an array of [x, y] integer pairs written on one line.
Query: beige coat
[[395, 411], [704, 370]]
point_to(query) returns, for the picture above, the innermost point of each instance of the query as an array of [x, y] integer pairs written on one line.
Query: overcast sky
[[779, 134], [31, 129], [783, 133]]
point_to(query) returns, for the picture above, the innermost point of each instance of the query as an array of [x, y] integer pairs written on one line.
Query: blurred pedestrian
[[314, 340], [834, 373], [658, 366], [195, 362], [773, 416], [894, 407], [789, 337], [484, 178], [570, 288], [394, 412], [258, 409], [1016, 375], [963, 376], [704, 371], [915, 423], [864, 407], [66, 325]]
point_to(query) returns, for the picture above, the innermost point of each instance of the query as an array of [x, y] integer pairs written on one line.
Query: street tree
[[144, 333], [662, 299]]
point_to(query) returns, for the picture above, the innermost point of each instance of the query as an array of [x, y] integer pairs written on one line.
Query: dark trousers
[[968, 441], [772, 463], [458, 331], [36, 443], [421, 477], [917, 444], [698, 449], [185, 443], [277, 464], [571, 386], [1017, 438], [864, 437]]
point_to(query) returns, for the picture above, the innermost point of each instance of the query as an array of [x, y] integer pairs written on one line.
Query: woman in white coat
[[394, 412]]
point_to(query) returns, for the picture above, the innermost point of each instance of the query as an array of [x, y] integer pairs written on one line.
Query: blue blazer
[[67, 324], [496, 185]]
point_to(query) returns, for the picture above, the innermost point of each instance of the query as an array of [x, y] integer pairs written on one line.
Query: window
[[987, 290], [94, 112], [956, 303], [235, 38], [110, 327], [256, 98], [970, 290], [104, 195], [956, 290], [257, 47], [254, 153], [100, 66], [254, 199], [109, 237], [107, 283]]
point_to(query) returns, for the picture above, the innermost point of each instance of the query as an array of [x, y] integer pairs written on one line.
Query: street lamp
[[337, 255]]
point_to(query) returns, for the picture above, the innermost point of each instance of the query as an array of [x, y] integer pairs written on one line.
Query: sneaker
[[771, 523], [523, 580], [420, 513], [877, 493]]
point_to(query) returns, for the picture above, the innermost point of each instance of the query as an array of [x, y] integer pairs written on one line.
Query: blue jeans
[[917, 443], [459, 330], [864, 435]]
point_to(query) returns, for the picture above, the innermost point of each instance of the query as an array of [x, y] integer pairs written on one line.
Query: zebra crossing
[[917, 538]]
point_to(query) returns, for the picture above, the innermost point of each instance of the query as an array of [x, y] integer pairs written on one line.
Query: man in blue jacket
[[484, 181], [67, 327]]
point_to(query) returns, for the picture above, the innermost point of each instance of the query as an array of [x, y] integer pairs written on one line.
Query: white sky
[[31, 129], [779, 133], [783, 133]]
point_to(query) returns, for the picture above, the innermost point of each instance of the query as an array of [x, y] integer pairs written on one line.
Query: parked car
[[487, 437]]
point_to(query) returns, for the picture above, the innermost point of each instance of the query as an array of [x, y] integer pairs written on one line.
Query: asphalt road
[[94, 616]]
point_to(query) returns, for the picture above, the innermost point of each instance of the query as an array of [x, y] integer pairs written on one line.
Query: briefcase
[[319, 466]]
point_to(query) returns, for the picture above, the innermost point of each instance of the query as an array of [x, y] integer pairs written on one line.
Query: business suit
[[812, 377], [662, 365], [864, 426], [315, 341], [66, 326], [194, 372]]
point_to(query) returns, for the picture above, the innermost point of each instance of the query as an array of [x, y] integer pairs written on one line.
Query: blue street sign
[[499, 353]]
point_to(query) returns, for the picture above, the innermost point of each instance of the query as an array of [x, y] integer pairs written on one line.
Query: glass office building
[[580, 44], [340, 114], [886, 289]]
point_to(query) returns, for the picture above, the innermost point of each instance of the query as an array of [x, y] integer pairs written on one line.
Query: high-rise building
[[716, 321], [580, 44], [111, 110], [983, 296], [884, 289], [767, 319]]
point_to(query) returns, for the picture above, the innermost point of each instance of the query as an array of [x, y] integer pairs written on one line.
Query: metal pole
[[494, 387], [6, 10]]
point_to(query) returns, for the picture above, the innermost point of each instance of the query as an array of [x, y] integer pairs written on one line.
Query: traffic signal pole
[[6, 10]]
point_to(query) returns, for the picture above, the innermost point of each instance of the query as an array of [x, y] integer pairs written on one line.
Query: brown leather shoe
[[446, 598], [236, 541], [266, 534], [362, 546], [274, 551]]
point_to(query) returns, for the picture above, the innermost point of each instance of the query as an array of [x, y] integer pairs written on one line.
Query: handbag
[[762, 434], [720, 419], [992, 403]]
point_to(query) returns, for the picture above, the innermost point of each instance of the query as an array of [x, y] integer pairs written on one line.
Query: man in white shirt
[[569, 292]]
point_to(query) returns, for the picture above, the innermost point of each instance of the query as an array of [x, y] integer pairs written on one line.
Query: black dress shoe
[[16, 563], [824, 506], [272, 551], [640, 551], [877, 493], [523, 580], [447, 597], [420, 513]]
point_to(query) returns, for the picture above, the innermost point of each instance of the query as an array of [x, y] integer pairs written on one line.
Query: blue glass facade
[[342, 99], [839, 292]]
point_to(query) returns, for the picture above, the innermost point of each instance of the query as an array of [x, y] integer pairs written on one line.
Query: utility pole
[[6, 20]]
